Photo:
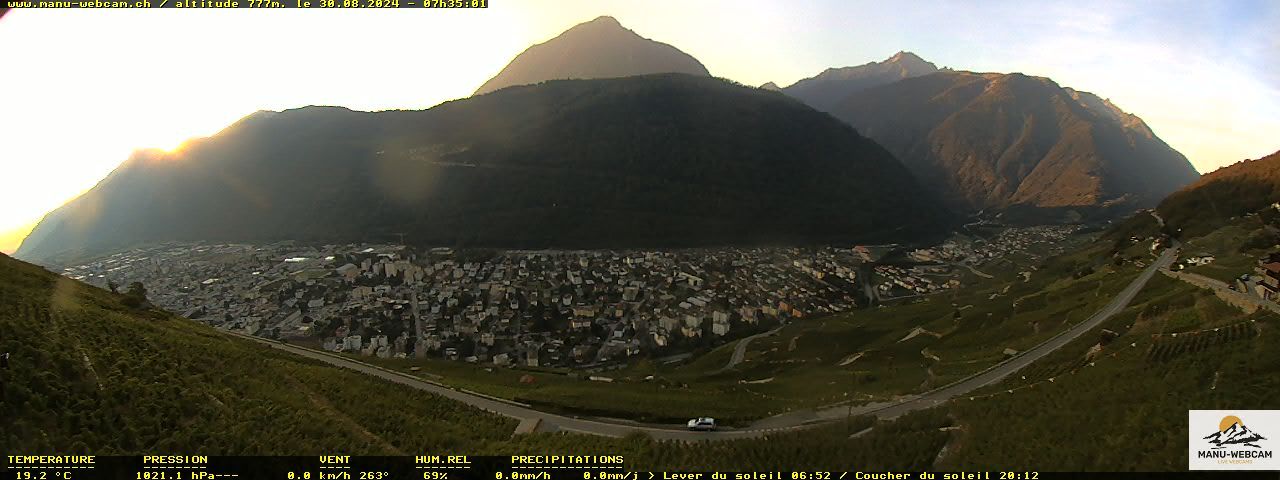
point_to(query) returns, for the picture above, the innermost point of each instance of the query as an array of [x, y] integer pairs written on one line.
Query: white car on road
[[703, 424]]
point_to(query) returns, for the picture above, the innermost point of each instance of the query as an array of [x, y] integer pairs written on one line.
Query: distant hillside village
[[531, 308]]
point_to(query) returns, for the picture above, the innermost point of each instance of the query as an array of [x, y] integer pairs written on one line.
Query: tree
[[136, 296], [113, 286]]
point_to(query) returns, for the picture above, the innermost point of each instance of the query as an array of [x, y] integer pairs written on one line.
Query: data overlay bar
[[460, 467]]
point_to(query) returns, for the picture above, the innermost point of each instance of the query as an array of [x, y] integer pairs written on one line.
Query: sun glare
[[174, 146], [11, 239]]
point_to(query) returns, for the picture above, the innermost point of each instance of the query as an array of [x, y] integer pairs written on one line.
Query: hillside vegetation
[[1232, 191], [1109, 398], [88, 375]]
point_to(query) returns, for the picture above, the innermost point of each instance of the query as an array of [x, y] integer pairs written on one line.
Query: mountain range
[[983, 141], [659, 160], [825, 90], [994, 141], [643, 149], [601, 48]]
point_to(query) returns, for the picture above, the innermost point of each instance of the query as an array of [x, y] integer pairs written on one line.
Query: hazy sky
[[83, 88]]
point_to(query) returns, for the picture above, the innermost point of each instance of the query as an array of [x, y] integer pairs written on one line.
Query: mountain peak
[[600, 48], [826, 89], [905, 56], [912, 65], [605, 20], [603, 24]]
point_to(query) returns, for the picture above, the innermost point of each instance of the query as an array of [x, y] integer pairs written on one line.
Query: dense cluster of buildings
[[974, 251], [930, 275], [555, 308], [533, 308]]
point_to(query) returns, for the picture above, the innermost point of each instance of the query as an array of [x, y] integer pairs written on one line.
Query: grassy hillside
[[1219, 196], [89, 375], [1235, 247], [1132, 395]]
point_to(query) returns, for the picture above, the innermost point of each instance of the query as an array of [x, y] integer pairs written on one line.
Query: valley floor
[[90, 375], [869, 357]]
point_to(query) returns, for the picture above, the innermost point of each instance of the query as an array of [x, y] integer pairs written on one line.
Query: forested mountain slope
[[661, 160]]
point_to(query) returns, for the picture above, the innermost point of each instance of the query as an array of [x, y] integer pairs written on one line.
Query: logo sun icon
[[1228, 421]]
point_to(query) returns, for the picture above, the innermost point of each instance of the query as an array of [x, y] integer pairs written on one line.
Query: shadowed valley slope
[[662, 160]]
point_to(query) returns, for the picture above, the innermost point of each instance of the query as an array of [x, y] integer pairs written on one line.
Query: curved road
[[788, 421], [975, 270], [740, 350], [1008, 367]]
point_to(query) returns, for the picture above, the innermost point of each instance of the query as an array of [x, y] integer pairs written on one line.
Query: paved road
[[1008, 367], [974, 270], [499, 406], [788, 421], [740, 350]]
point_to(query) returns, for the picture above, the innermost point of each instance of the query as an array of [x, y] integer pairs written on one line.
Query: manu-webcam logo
[[1231, 431], [1222, 440]]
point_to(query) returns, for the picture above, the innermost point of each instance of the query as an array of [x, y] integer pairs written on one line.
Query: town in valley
[[538, 308]]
